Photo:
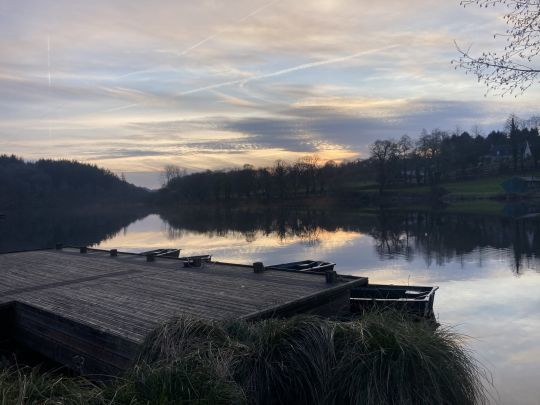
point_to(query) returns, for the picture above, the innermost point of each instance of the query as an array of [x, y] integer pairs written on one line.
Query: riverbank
[[382, 358], [479, 196]]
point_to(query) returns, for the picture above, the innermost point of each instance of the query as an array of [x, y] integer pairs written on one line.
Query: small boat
[[305, 265], [174, 253], [415, 300], [196, 261], [204, 258]]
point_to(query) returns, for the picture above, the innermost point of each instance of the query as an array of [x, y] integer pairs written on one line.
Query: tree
[[279, 172], [326, 174], [171, 172], [307, 167], [404, 147], [513, 135], [514, 68], [383, 153], [429, 148], [245, 181]]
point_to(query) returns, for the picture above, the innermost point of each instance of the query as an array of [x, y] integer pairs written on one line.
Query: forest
[[435, 157], [60, 182]]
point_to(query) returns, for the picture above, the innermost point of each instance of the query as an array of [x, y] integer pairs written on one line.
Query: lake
[[487, 267]]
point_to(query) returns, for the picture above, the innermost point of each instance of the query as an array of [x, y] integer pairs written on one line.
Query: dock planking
[[91, 311]]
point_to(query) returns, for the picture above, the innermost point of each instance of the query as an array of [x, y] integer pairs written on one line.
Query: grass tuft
[[25, 385], [382, 358]]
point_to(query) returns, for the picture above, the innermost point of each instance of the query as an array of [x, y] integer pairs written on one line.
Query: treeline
[[439, 156], [306, 177], [59, 182], [434, 157]]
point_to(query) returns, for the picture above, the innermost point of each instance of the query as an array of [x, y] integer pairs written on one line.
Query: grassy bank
[[380, 359]]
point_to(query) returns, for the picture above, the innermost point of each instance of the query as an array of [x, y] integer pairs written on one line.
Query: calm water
[[487, 267]]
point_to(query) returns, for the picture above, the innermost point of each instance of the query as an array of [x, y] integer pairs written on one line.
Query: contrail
[[188, 50], [207, 39], [138, 72], [211, 37], [49, 58], [320, 63], [288, 70], [124, 107], [257, 11]]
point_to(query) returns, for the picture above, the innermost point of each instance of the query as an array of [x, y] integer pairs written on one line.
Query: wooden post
[[331, 276], [83, 249], [258, 267], [113, 252], [58, 246]]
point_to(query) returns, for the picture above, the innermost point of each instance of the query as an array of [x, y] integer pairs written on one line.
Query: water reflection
[[438, 238], [38, 229], [444, 238], [486, 266], [355, 240]]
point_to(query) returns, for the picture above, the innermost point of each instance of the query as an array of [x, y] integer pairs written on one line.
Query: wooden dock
[[91, 311]]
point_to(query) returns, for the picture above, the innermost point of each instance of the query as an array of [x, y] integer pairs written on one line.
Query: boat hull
[[416, 300], [305, 265]]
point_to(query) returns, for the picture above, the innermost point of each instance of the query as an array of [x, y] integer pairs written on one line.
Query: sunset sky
[[135, 85]]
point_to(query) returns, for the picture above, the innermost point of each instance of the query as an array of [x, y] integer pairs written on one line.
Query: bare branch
[[514, 69]]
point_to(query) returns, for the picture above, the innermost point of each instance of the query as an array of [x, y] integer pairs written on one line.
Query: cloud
[[288, 70], [133, 85]]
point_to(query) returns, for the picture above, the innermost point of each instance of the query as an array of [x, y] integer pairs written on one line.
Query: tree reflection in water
[[438, 237]]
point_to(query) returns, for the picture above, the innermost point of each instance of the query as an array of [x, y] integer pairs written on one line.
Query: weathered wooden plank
[[56, 284], [100, 308], [77, 337], [305, 303]]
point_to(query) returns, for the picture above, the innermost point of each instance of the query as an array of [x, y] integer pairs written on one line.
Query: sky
[[135, 85]]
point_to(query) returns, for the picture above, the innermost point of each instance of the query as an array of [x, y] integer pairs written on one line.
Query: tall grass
[[25, 385], [382, 358]]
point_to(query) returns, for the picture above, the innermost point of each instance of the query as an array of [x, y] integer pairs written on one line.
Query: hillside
[[60, 182]]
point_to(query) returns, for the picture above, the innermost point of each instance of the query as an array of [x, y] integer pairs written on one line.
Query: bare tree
[[383, 153], [429, 148], [326, 174], [514, 68], [404, 148], [307, 166], [279, 172], [171, 172]]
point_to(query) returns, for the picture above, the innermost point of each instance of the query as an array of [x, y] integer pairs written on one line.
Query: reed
[[381, 358], [24, 385]]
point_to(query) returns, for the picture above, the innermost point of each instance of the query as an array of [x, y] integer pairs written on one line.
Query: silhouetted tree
[[172, 171], [383, 154], [404, 148], [429, 148], [58, 182]]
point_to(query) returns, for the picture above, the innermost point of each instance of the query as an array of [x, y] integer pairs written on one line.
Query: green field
[[485, 186], [482, 187]]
